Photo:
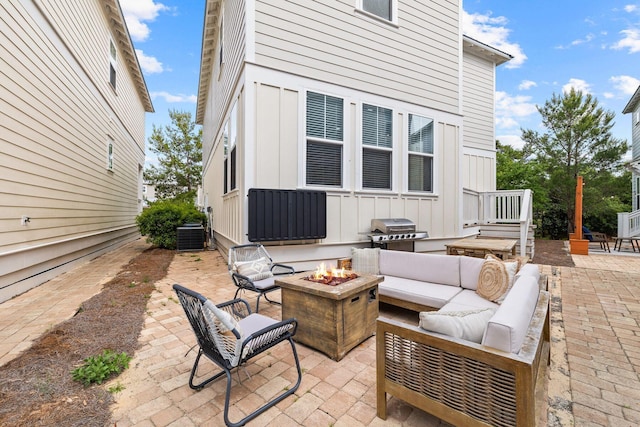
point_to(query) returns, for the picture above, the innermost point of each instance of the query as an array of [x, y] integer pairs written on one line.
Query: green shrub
[[96, 369], [160, 221]]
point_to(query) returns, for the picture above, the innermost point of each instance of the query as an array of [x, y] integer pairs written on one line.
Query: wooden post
[[578, 245]]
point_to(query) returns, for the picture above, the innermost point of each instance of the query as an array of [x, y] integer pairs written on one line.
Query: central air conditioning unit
[[191, 237]]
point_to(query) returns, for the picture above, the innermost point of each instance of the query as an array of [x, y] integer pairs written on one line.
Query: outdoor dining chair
[[230, 335], [252, 269]]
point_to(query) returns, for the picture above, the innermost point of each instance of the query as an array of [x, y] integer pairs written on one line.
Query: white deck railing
[[500, 207], [629, 224]]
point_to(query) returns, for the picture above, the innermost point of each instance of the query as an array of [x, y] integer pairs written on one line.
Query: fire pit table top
[[337, 292]]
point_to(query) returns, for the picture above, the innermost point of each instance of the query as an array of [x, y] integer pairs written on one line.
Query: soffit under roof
[[209, 42], [485, 51], [122, 38]]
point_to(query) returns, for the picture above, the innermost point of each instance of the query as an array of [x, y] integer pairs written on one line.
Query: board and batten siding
[[417, 61], [278, 124], [56, 118]]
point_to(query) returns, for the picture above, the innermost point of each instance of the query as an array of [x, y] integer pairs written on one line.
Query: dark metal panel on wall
[[287, 214]]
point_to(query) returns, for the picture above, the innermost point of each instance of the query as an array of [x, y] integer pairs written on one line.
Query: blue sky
[[591, 45]]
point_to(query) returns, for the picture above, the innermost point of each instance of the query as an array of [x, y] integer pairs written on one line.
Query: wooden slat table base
[[331, 319]]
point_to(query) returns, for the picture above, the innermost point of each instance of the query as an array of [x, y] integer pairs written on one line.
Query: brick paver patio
[[593, 378]]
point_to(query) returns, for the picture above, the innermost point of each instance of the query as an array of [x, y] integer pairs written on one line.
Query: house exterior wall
[[284, 54], [478, 88], [354, 50], [635, 153], [58, 114]]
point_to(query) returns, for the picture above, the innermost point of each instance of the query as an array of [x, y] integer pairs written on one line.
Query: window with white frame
[[420, 159], [325, 139], [636, 116], [221, 42], [110, 150], [225, 166], [377, 147], [233, 132], [383, 9], [112, 63]]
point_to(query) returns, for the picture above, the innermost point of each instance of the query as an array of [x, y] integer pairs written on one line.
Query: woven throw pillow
[[496, 278], [255, 270], [512, 266], [467, 325], [365, 260]]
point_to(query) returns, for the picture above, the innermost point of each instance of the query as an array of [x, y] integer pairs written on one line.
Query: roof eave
[[123, 39], [485, 51], [209, 42], [633, 102]]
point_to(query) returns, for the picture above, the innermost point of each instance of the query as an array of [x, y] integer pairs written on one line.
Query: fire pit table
[[332, 319]]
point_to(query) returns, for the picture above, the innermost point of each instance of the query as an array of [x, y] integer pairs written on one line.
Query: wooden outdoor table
[[502, 248], [331, 319]]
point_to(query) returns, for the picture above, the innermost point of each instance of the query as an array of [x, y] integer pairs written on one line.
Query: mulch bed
[[552, 252], [37, 389]]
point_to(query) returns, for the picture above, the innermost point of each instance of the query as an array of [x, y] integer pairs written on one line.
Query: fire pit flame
[[333, 277]]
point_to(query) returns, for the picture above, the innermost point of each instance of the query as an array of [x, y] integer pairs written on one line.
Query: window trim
[[344, 179], [110, 153], [406, 153], [394, 13], [362, 147], [113, 63]]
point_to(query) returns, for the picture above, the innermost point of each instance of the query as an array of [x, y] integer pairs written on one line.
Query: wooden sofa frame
[[460, 382]]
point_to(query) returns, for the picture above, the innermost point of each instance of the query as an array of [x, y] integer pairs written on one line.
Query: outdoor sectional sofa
[[490, 382]]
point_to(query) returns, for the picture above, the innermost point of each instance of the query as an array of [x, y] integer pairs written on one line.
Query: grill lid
[[392, 225]]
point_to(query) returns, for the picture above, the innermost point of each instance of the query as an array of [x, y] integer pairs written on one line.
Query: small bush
[[96, 369], [160, 221]]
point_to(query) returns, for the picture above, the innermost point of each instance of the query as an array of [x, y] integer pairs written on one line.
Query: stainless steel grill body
[[395, 234]]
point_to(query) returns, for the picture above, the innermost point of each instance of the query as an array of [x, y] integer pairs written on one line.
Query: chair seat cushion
[[424, 293], [258, 269], [265, 284]]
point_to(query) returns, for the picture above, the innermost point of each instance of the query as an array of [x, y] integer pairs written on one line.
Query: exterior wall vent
[[287, 215]]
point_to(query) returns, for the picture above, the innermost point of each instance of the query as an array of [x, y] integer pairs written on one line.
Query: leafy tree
[[179, 150], [577, 141]]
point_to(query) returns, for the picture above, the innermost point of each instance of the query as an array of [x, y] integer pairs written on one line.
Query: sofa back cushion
[[508, 327], [530, 270], [434, 268], [470, 271]]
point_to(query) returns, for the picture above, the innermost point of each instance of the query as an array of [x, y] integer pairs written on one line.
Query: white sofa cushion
[[470, 271], [423, 293], [468, 325], [433, 268], [530, 270], [508, 327], [468, 300]]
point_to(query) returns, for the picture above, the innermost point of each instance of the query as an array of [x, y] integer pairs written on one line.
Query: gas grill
[[398, 234]]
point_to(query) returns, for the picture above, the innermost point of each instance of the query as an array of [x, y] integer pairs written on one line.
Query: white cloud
[[137, 11], [630, 8], [493, 31], [511, 109], [631, 40], [608, 95], [174, 98], [513, 140], [625, 84], [149, 64], [527, 84], [578, 85]]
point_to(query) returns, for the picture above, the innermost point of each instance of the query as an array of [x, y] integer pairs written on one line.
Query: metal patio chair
[[252, 269], [230, 335]]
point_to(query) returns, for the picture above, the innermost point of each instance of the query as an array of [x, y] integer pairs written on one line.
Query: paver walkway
[[593, 378]]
